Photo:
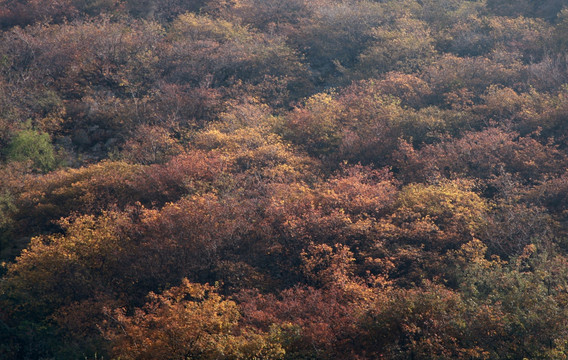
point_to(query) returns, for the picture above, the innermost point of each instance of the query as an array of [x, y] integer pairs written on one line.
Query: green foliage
[[34, 146], [528, 306], [7, 209]]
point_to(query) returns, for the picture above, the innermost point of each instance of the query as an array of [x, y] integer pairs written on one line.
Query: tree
[[190, 321], [34, 146], [427, 223], [150, 145], [405, 46], [316, 125]]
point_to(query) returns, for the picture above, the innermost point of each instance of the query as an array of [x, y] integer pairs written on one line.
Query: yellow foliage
[[186, 322], [448, 203]]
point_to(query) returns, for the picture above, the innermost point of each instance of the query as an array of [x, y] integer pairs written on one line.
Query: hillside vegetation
[[283, 179]]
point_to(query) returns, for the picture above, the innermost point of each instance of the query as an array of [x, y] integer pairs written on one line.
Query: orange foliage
[[189, 321]]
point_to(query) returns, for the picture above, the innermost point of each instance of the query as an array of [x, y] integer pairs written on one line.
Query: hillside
[[283, 179]]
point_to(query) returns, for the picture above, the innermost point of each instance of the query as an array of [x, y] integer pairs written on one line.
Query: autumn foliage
[[293, 179]]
